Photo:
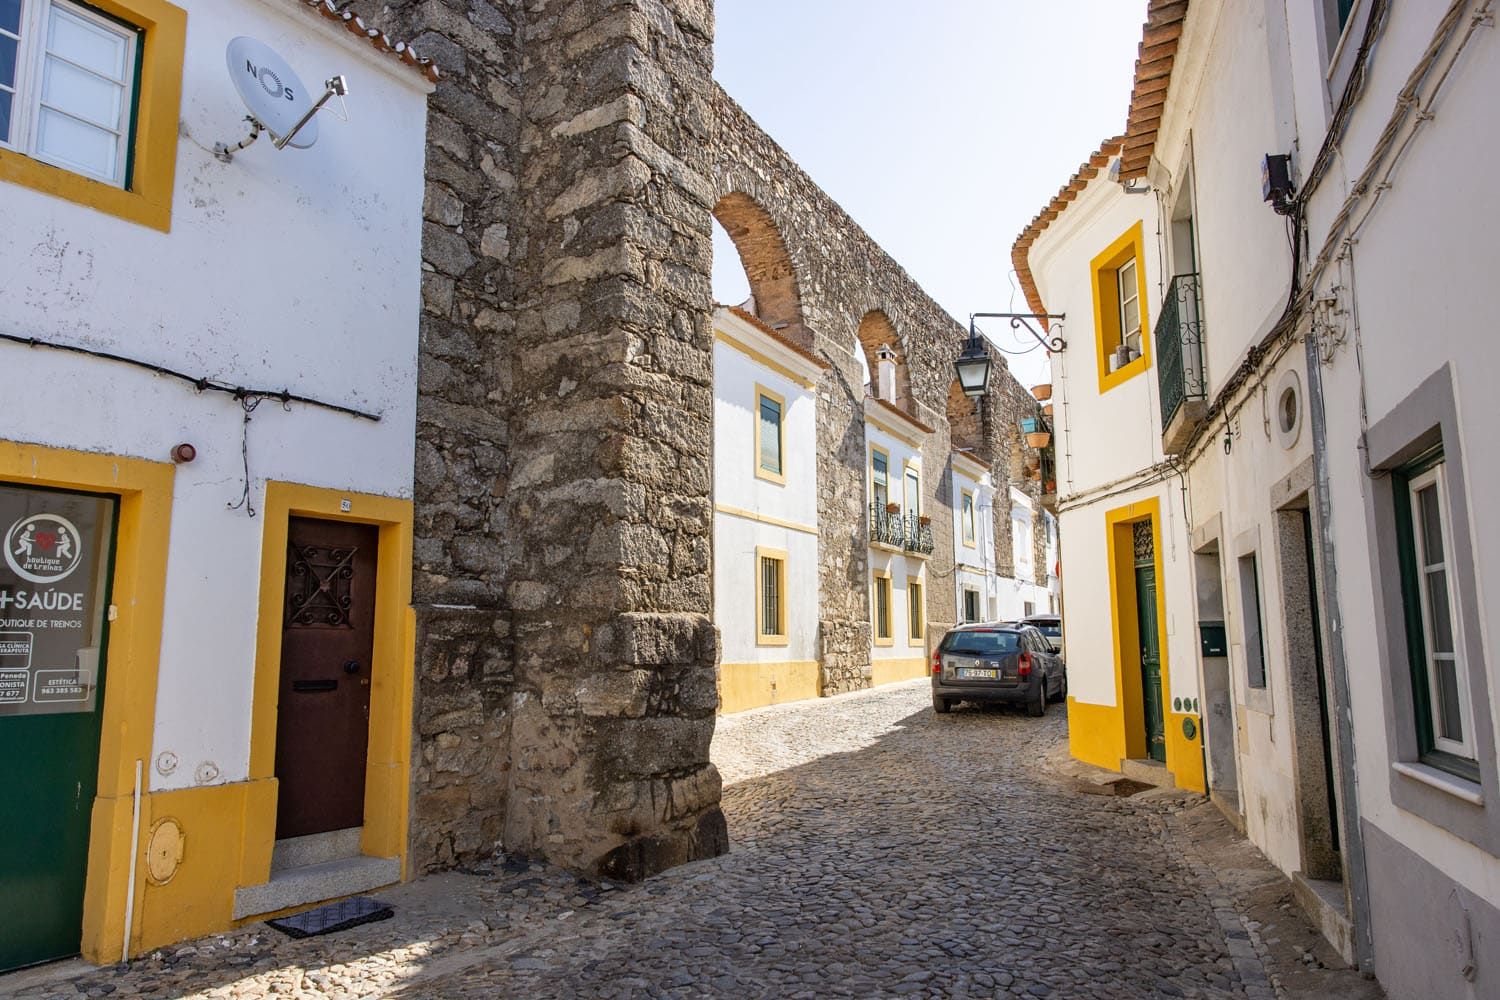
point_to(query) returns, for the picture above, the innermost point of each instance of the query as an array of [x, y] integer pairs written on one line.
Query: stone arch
[[876, 331], [965, 422], [767, 263]]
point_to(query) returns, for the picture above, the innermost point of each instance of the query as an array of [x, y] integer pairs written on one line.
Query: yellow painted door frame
[[134, 655], [391, 676]]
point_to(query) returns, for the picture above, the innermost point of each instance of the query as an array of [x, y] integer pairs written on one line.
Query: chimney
[[885, 373]]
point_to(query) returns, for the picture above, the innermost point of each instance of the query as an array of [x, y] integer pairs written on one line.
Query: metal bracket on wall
[[1018, 321]]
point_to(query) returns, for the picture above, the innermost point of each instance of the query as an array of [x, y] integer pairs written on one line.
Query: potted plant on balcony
[[893, 508], [1042, 392], [1050, 486], [924, 520], [1038, 439], [1047, 411]]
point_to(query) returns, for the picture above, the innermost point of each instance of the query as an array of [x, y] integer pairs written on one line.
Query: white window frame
[[1130, 336], [26, 98], [1435, 477]]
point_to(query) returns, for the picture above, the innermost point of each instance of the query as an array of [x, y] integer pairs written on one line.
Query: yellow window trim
[[158, 102], [779, 478], [883, 584], [916, 630], [779, 557], [966, 516], [1132, 243]]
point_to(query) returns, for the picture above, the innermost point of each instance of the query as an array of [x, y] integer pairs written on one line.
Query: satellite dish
[[271, 91]]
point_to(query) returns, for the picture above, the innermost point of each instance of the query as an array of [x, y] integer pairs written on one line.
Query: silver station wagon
[[997, 662]]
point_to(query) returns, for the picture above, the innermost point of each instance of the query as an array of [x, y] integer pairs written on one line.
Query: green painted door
[[1151, 700], [54, 591]]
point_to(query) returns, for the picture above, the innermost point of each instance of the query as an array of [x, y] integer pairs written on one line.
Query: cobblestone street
[[878, 849]]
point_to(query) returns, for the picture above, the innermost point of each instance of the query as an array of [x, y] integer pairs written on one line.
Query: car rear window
[[1048, 629], [981, 643]]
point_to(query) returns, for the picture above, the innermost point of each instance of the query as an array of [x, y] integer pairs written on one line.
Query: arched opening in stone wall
[[965, 423], [767, 264], [884, 360]]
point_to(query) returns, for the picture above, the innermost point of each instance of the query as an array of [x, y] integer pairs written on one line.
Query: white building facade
[[901, 541], [249, 439], [1323, 465], [765, 514]]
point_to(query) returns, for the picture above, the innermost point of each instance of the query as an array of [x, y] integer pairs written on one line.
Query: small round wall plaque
[[1189, 728], [164, 847]]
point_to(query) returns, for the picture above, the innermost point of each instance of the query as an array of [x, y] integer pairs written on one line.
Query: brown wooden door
[[323, 704]]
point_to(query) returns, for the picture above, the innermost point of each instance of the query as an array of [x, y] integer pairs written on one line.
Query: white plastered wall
[[736, 536], [297, 269], [901, 566], [1422, 279]]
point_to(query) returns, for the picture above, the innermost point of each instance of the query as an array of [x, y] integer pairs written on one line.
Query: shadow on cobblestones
[[877, 850]]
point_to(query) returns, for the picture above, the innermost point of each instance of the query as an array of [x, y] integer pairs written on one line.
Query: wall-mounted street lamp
[[973, 365]]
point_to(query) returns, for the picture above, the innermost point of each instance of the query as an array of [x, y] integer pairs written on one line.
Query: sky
[[942, 126]]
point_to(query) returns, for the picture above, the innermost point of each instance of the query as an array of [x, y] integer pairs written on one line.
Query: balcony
[[918, 536], [1179, 363], [886, 528]]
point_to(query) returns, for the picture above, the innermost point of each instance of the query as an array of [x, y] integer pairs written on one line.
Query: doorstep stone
[[315, 848], [315, 883], [1149, 771]]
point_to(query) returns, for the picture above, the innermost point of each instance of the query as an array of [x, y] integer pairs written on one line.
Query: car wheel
[[941, 705], [1037, 706]]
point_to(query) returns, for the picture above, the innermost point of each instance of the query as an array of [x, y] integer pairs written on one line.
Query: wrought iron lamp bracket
[[1018, 321]]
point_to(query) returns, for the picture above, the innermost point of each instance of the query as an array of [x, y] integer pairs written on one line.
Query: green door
[[1145, 606], [54, 590]]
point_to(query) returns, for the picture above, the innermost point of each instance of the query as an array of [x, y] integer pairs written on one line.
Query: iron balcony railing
[[1179, 346], [886, 528], [919, 536]]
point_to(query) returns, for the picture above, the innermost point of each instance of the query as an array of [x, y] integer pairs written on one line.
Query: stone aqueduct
[[565, 651]]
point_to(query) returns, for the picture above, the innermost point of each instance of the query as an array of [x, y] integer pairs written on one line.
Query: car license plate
[[978, 673]]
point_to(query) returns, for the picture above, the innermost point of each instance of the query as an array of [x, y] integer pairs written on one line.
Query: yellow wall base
[[750, 685], [1096, 734], [891, 671]]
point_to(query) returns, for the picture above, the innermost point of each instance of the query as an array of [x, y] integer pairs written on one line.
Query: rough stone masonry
[[566, 653]]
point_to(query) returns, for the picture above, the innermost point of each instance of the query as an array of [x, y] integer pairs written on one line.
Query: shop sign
[[54, 558]]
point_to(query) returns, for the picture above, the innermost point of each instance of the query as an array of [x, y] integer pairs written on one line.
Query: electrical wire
[[199, 383]]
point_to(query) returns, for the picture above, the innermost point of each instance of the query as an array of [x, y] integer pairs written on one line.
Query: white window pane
[[82, 94], [1131, 320], [8, 49], [1441, 617], [74, 144], [1448, 711], [1432, 526], [87, 44]]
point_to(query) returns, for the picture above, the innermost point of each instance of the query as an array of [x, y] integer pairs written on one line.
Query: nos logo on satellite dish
[[270, 89]]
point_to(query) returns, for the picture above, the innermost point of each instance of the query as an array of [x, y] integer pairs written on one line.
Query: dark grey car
[[997, 662]]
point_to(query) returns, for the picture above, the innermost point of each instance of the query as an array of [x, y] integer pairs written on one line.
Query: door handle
[[351, 666]]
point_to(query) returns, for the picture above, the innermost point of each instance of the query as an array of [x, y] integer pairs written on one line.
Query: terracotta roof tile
[[1153, 78], [1097, 161], [901, 413], [400, 51], [778, 336]]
